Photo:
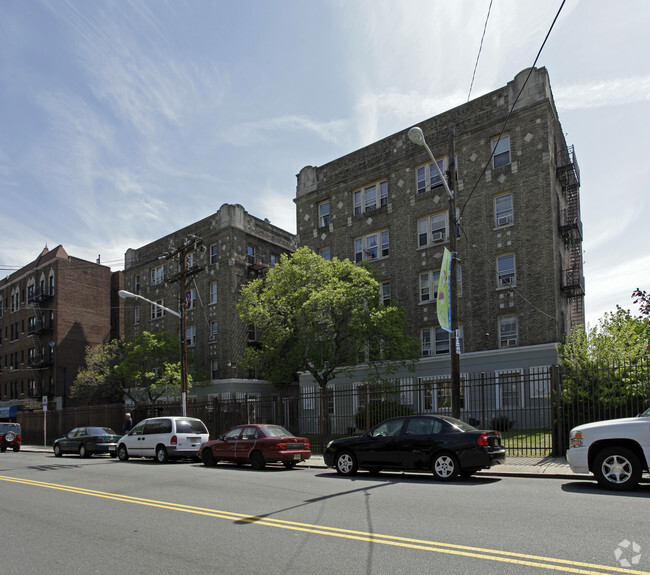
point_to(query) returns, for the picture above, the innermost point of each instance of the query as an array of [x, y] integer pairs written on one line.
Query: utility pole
[[454, 340], [190, 244]]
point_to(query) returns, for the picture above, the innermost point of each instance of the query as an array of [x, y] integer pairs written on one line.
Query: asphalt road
[[64, 516]]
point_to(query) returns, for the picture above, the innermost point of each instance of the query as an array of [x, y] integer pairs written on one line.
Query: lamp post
[[128, 295], [417, 137]]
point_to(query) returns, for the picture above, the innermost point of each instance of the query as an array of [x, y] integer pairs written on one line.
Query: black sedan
[[87, 441], [446, 446]]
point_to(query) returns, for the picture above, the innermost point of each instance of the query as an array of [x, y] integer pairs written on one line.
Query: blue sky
[[121, 122]]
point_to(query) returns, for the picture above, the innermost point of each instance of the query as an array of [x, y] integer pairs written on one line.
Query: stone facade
[[223, 251], [517, 245]]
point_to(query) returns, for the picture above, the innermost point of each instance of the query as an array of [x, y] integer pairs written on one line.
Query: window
[[442, 341], [506, 270], [156, 311], [190, 335], [501, 148], [384, 293], [429, 286], [51, 284], [157, 275], [214, 254], [275, 260], [366, 200], [428, 177], [503, 210], [30, 292], [325, 253], [324, 214], [214, 330], [369, 247], [190, 260], [251, 254], [190, 298], [425, 341], [509, 389], [136, 315], [214, 369], [213, 292], [432, 229], [508, 331], [437, 393], [136, 284]]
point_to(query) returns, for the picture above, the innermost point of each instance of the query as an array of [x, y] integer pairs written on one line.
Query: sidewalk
[[554, 467]]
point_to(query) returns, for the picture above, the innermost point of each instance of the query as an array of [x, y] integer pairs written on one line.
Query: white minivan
[[164, 438]]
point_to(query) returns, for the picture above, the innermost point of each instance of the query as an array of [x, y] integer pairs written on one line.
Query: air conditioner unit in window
[[503, 221], [506, 280], [509, 342], [212, 337], [437, 236]]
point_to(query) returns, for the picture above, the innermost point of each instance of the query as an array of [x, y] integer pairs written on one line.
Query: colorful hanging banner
[[443, 304]]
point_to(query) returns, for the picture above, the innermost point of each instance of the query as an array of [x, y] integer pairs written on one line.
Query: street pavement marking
[[550, 563]]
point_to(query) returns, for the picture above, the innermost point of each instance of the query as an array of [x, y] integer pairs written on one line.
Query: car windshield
[[646, 412], [4, 427], [276, 431], [190, 426], [100, 431]]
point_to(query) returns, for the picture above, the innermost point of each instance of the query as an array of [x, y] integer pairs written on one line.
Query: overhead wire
[[480, 48]]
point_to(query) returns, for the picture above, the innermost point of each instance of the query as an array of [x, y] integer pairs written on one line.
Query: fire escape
[[39, 326], [573, 281]]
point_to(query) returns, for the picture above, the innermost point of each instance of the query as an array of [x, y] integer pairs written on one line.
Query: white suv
[[164, 438], [616, 451]]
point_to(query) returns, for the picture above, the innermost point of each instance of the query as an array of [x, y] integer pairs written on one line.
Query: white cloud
[[611, 92]]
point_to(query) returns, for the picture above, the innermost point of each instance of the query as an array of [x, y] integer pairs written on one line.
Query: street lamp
[[416, 136], [128, 295]]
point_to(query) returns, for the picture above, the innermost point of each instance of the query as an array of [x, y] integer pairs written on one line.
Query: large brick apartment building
[[519, 244], [221, 252], [50, 310]]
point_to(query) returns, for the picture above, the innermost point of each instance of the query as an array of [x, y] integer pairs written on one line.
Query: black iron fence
[[533, 408]]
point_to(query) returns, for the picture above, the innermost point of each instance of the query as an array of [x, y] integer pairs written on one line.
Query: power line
[[479, 50]]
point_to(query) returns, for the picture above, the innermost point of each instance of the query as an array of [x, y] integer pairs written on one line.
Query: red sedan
[[257, 445]]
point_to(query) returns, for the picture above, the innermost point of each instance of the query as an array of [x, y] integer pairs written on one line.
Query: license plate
[[194, 439], [296, 456]]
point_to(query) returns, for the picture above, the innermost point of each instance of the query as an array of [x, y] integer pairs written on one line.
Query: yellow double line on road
[[549, 563]]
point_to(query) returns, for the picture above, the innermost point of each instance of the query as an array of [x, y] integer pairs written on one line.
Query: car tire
[[10, 436], [257, 461], [208, 458], [289, 464], [617, 468], [161, 454], [445, 467], [122, 453], [57, 451], [3, 448], [16, 448], [346, 463], [83, 452]]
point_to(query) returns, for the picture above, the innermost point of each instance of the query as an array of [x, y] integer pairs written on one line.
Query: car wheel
[[3, 448], [17, 447], [122, 452], [208, 458], [161, 454], [82, 451], [257, 461], [289, 464], [346, 463], [445, 467], [57, 451], [617, 468], [10, 436]]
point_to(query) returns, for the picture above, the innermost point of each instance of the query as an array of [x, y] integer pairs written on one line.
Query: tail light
[[174, 440], [99, 440], [483, 440], [307, 446], [280, 446]]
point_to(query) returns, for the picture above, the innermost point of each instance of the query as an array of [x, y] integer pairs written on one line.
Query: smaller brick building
[[50, 310]]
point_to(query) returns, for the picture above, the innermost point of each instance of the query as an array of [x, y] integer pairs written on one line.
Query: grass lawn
[[527, 442]]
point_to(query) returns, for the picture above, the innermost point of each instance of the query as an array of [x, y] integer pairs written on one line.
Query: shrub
[[501, 423], [377, 411]]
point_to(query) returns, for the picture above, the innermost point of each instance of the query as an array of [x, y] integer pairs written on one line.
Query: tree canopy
[[143, 369], [322, 317]]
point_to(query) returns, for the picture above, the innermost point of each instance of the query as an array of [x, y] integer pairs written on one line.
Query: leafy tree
[[605, 369], [96, 383], [322, 317], [643, 299], [148, 367]]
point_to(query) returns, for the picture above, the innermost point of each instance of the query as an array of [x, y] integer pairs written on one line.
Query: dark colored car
[[257, 445], [87, 441], [446, 446], [10, 436]]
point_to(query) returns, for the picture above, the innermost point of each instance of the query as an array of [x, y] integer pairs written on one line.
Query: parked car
[[87, 441], [164, 438], [10, 436], [446, 446], [616, 451], [257, 445]]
